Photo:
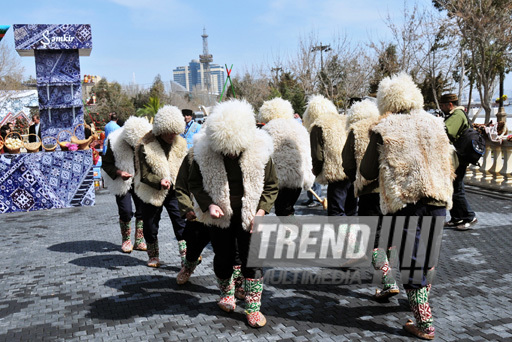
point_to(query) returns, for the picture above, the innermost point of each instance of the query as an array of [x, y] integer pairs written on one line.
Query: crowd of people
[[383, 157]]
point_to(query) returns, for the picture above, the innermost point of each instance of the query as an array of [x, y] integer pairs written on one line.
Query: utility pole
[[206, 59], [321, 48]]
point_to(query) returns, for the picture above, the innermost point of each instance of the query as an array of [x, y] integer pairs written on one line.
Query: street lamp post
[[321, 48]]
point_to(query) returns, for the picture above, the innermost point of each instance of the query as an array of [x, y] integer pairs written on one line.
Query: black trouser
[[151, 217], [461, 209], [418, 209], [225, 242], [285, 201], [340, 199], [124, 206], [369, 205], [197, 237]]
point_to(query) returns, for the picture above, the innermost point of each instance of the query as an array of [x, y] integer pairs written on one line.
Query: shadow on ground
[[85, 246]]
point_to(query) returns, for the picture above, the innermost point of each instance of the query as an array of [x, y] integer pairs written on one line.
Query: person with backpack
[[456, 122]]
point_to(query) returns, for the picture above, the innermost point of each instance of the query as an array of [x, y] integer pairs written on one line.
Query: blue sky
[[150, 37]]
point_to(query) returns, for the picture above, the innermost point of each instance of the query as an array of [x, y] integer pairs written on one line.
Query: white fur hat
[[231, 127], [398, 94], [317, 107], [275, 109], [168, 119], [363, 110], [134, 129]]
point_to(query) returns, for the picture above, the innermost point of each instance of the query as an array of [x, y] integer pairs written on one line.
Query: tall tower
[[206, 58]]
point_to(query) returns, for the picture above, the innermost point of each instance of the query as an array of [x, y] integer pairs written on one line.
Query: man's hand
[[123, 174], [260, 212], [165, 184], [215, 211], [190, 215]]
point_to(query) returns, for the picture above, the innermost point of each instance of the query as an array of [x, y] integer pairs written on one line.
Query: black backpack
[[470, 146]]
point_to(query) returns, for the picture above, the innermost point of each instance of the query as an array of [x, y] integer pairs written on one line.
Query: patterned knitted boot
[[239, 282], [182, 247], [380, 262], [227, 294], [253, 290], [140, 245], [186, 271], [126, 230], [418, 300], [153, 254]]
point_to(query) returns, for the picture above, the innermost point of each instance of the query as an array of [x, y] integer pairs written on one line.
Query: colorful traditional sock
[[253, 291], [139, 236], [239, 282], [227, 294], [182, 247], [153, 254], [186, 271], [380, 262], [418, 300], [126, 231]]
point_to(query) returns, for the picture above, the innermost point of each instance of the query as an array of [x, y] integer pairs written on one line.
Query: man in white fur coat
[[410, 155], [158, 158], [118, 164], [292, 153], [233, 180], [328, 133], [362, 116]]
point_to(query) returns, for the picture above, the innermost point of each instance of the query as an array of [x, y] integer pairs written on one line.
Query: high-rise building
[[193, 76], [201, 74]]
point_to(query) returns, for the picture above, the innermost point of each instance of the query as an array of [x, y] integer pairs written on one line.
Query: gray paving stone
[[64, 277]]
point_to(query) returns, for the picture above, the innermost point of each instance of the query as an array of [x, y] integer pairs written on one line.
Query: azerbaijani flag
[[3, 29]]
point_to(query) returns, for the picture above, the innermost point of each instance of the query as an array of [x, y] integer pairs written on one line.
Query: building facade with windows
[[193, 76]]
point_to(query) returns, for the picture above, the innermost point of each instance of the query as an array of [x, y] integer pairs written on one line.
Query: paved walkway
[[63, 277]]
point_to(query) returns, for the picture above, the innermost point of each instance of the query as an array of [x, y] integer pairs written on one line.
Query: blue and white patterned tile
[[61, 96], [57, 67], [33, 182], [52, 37]]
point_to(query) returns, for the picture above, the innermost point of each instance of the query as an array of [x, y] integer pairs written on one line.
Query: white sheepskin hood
[[134, 129], [292, 153], [398, 94], [168, 119], [275, 109], [231, 127], [318, 108], [362, 110]]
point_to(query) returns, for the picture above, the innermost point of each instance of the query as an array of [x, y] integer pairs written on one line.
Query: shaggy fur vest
[[334, 133], [165, 167], [292, 153], [415, 160], [124, 159], [215, 180], [361, 130]]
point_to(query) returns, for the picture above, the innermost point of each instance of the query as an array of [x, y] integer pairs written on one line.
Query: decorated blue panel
[[55, 123], [28, 38], [57, 67], [46, 180], [62, 96]]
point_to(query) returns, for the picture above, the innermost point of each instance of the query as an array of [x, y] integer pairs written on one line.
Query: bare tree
[[486, 28], [253, 86], [11, 71], [304, 65]]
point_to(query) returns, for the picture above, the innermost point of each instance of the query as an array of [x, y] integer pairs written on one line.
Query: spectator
[[191, 127], [456, 122], [110, 127]]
